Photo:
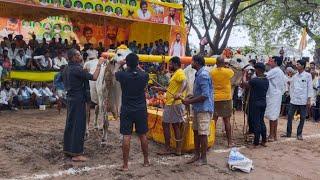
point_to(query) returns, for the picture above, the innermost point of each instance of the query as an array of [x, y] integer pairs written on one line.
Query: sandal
[[79, 159], [122, 169]]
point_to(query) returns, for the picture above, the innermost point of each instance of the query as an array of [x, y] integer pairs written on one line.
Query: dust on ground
[[31, 143]]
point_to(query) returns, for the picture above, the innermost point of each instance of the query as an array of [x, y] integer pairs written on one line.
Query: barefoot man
[[277, 87], [221, 78], [173, 110], [258, 90], [74, 78], [202, 104], [133, 107]]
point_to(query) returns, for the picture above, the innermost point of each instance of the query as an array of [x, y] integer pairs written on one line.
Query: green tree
[[217, 15], [281, 21]]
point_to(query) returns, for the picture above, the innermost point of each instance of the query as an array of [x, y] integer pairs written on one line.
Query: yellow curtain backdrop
[[148, 32]]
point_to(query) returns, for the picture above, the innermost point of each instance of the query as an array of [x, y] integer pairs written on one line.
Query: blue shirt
[[58, 82], [203, 87]]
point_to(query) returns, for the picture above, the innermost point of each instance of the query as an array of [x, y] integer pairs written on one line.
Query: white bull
[[106, 91]]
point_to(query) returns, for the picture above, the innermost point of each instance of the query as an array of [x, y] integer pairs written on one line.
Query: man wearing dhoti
[[277, 86]]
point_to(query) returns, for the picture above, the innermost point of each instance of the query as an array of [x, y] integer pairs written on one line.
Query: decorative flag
[[303, 40]]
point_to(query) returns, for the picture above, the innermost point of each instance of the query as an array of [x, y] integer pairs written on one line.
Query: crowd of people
[[267, 90], [25, 96], [17, 54]]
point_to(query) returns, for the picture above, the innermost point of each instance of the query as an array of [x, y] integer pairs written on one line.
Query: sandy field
[[31, 145]]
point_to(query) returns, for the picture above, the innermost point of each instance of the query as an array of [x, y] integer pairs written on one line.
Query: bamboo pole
[[160, 59]]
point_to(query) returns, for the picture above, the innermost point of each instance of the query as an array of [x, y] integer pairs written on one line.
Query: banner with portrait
[[141, 10], [178, 38], [61, 27]]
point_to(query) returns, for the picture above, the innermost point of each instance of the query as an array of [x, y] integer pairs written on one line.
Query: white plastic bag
[[239, 161]]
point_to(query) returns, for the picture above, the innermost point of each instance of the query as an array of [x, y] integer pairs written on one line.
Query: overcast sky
[[240, 38]]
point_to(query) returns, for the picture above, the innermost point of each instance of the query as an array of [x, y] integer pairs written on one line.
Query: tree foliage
[[281, 22], [218, 16]]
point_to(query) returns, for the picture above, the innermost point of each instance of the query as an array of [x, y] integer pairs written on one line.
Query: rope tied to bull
[[178, 113]]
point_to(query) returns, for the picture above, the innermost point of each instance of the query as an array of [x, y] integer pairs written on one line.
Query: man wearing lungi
[[221, 79], [173, 110], [74, 78], [277, 87]]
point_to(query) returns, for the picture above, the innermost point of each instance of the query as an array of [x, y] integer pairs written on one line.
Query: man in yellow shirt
[[173, 110], [221, 78]]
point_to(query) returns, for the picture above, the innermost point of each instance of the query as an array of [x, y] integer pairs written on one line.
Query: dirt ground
[[31, 145]]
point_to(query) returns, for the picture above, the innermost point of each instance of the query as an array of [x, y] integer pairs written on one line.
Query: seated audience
[[8, 97], [59, 61], [21, 60]]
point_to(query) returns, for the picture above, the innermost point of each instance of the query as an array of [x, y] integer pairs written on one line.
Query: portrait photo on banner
[[142, 10]]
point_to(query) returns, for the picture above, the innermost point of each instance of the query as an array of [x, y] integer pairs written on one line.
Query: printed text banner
[[138, 10]]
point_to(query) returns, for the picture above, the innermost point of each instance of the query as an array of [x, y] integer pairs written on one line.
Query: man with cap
[[301, 91], [259, 87], [277, 87]]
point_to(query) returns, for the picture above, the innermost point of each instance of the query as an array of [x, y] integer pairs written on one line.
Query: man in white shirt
[[277, 87], [47, 94], [301, 92], [8, 97], [13, 52], [59, 61], [37, 92], [44, 61], [21, 60], [24, 95], [171, 19], [92, 53], [177, 47], [143, 12]]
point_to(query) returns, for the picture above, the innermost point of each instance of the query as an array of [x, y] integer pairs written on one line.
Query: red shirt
[[7, 64]]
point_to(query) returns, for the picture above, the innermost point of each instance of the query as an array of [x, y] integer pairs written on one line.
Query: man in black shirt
[[133, 107], [257, 102], [74, 79]]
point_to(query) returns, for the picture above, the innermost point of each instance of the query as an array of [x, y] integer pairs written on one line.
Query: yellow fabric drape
[[147, 32], [32, 76]]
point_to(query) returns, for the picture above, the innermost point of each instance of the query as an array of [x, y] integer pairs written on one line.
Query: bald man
[[221, 78]]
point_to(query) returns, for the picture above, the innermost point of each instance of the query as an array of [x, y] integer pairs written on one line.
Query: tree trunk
[[188, 50], [316, 57]]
